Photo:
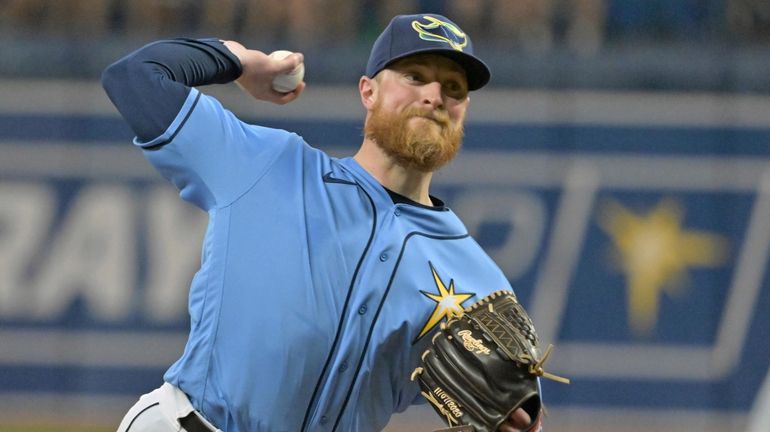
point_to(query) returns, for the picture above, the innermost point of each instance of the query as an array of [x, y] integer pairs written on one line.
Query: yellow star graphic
[[448, 303], [655, 252]]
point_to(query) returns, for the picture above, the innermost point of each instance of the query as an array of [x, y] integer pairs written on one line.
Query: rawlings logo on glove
[[484, 365]]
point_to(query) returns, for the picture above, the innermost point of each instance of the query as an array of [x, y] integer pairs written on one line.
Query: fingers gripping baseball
[[286, 82], [259, 71]]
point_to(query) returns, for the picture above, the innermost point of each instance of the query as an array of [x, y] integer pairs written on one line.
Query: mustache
[[438, 116]]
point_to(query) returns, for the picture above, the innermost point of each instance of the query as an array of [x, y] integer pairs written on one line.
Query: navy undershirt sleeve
[[150, 85]]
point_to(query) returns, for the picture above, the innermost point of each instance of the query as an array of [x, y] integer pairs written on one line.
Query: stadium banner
[[638, 244]]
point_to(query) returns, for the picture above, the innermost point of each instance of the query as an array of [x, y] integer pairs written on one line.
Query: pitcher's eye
[[413, 76], [455, 89]]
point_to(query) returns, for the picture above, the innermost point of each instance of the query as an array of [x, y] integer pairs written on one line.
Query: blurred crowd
[[690, 45], [584, 26]]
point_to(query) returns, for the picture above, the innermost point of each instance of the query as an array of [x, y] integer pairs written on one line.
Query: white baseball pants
[[160, 411]]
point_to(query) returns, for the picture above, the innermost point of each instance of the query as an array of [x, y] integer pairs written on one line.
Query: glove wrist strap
[[464, 428]]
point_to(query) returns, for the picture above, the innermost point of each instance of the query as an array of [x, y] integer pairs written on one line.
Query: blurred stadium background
[[617, 167]]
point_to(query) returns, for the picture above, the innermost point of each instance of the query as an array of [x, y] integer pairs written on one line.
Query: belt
[[192, 423]]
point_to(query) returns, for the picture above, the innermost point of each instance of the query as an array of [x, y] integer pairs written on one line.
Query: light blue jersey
[[316, 293]]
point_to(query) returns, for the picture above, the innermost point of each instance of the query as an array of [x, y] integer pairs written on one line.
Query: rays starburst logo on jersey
[[436, 30], [448, 302]]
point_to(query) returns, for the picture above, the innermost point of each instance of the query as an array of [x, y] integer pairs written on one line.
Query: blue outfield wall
[[640, 251]]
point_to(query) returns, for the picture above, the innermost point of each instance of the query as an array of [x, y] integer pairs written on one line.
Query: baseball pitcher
[[322, 280]]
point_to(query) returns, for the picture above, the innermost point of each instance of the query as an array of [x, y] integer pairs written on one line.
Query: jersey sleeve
[[211, 156], [150, 85]]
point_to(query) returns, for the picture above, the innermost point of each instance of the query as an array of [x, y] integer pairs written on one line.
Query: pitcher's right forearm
[[150, 85]]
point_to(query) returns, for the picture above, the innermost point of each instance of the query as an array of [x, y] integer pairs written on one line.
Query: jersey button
[[324, 420], [397, 212], [344, 366], [362, 310], [383, 257]]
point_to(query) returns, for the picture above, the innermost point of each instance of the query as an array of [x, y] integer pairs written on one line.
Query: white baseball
[[285, 83]]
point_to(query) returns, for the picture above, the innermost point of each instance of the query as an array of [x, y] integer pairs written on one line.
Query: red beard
[[425, 144]]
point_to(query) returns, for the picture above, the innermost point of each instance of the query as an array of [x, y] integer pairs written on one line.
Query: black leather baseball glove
[[483, 365]]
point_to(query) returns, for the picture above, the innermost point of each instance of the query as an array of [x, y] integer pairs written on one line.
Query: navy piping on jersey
[[140, 413], [397, 198], [379, 309], [329, 179], [181, 125]]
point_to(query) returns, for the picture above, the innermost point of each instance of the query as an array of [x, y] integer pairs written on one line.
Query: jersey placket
[[367, 297]]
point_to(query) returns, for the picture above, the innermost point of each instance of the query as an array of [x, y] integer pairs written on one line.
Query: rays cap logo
[[408, 35]]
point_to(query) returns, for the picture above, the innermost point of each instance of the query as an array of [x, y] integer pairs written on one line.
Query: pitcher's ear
[[368, 87]]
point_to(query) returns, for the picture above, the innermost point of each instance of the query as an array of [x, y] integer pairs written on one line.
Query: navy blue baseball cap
[[407, 35]]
